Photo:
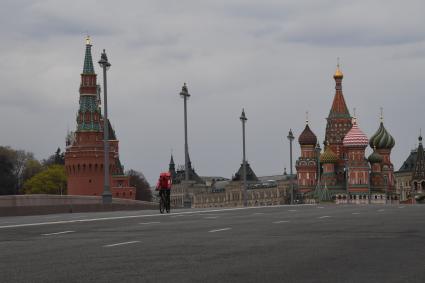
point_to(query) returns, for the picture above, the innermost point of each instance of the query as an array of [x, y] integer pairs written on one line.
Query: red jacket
[[164, 181]]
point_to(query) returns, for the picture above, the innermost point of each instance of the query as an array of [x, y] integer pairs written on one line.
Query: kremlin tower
[[84, 154]]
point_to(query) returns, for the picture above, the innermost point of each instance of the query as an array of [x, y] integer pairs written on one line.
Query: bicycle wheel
[[161, 204], [168, 207], [167, 202]]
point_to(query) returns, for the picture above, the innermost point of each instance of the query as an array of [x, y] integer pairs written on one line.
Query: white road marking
[[282, 221], [355, 213], [120, 244], [211, 217], [146, 223], [325, 216], [58, 233], [145, 215], [380, 210], [218, 230]]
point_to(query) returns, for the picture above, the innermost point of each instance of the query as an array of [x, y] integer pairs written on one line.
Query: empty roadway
[[306, 243]]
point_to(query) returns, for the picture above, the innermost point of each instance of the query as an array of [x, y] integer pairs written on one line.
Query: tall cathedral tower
[[338, 125], [84, 154]]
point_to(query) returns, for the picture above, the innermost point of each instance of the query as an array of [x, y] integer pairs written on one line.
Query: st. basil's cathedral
[[342, 173]]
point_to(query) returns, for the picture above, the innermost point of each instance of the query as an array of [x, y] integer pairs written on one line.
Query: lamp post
[[346, 178], [106, 196], [185, 95], [369, 198], [291, 139], [243, 120], [318, 149], [386, 189]]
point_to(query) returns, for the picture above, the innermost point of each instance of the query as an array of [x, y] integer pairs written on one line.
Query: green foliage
[[32, 167], [50, 181], [7, 177], [138, 180], [57, 158]]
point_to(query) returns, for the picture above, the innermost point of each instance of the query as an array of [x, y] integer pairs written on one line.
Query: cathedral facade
[[342, 173], [84, 155]]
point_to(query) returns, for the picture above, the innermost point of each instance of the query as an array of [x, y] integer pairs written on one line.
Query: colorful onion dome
[[382, 139], [307, 137], [355, 137], [328, 156], [375, 157]]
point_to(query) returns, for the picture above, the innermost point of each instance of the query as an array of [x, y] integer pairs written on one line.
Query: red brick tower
[[338, 125], [383, 142], [328, 159], [307, 163], [355, 143], [84, 154]]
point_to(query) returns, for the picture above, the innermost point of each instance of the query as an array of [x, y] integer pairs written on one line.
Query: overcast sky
[[274, 58]]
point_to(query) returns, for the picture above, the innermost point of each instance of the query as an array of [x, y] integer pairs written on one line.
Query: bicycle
[[164, 203]]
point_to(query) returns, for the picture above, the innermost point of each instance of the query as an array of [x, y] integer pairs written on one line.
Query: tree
[[20, 159], [138, 180], [32, 167], [57, 158], [50, 181], [7, 177]]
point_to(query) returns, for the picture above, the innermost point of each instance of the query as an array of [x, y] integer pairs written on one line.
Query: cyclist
[[164, 187]]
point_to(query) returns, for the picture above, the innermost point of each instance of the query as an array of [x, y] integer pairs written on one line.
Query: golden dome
[[338, 74]]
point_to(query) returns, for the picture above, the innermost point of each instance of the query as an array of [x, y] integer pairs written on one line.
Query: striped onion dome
[[375, 157], [328, 156], [307, 137], [355, 137], [382, 139]]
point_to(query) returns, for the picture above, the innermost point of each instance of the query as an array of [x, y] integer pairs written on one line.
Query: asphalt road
[[269, 244]]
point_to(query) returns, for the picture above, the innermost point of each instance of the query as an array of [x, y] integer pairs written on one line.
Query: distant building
[[222, 192], [410, 178], [346, 176], [267, 190], [84, 155]]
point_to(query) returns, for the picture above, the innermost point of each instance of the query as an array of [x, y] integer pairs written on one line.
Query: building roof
[[250, 175], [419, 169], [355, 137], [409, 163], [328, 156], [307, 137], [382, 139], [339, 107], [276, 177], [88, 61], [375, 157]]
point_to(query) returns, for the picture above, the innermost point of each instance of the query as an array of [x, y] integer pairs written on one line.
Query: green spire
[[88, 61]]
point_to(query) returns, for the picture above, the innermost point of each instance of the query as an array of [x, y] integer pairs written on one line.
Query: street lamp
[[106, 196], [347, 177], [243, 120], [185, 95], [318, 149], [291, 139]]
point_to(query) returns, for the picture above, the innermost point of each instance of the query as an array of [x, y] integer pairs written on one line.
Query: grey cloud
[[275, 58]]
